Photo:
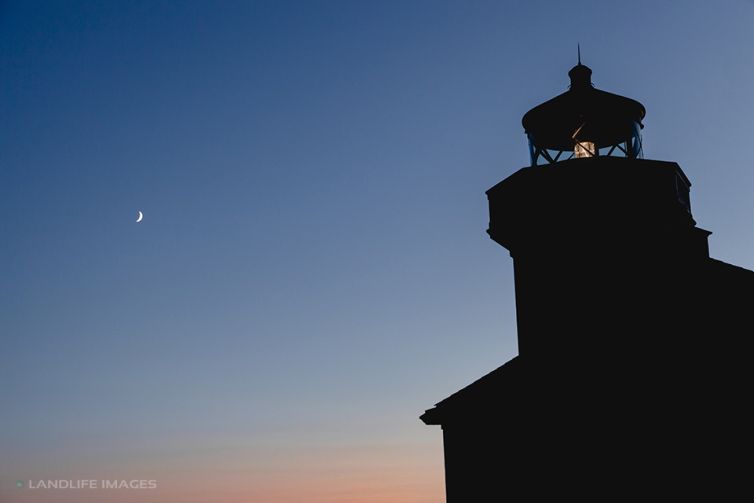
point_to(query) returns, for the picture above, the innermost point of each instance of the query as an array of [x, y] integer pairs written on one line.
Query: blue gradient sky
[[312, 271]]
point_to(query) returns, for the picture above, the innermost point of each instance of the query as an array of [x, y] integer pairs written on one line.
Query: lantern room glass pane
[[584, 149]]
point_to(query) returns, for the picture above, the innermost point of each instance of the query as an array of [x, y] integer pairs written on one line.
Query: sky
[[312, 271]]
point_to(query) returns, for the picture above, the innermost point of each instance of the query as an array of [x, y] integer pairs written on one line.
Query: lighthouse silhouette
[[633, 373]]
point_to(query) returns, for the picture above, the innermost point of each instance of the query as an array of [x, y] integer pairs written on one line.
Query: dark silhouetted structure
[[633, 373]]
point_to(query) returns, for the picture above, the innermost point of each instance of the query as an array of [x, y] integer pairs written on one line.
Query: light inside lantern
[[584, 149]]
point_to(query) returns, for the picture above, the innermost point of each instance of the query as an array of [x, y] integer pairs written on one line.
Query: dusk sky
[[312, 271]]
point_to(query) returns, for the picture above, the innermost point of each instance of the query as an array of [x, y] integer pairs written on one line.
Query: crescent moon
[[140, 217]]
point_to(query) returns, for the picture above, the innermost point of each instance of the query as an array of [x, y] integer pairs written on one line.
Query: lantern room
[[584, 122]]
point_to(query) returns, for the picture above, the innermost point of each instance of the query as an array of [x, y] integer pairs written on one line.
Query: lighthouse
[[633, 367]]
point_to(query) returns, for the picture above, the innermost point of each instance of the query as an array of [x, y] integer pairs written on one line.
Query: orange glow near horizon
[[367, 474]]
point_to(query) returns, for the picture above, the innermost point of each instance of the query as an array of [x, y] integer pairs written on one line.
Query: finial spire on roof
[[578, 48]]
